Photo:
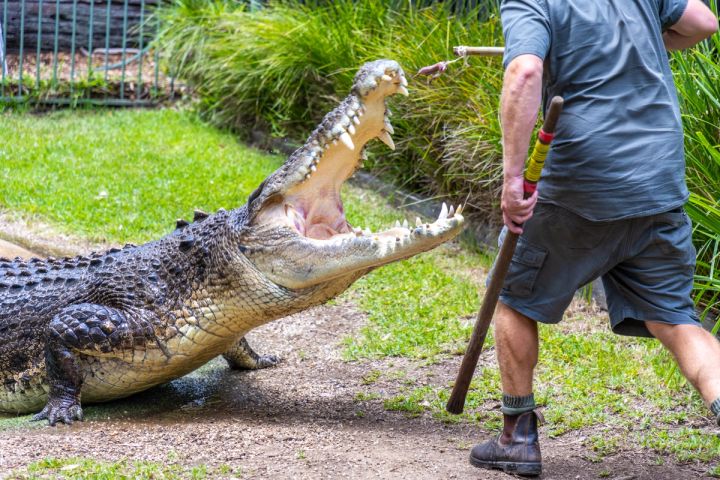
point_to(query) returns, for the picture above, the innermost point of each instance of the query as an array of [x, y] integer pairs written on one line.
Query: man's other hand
[[516, 209]]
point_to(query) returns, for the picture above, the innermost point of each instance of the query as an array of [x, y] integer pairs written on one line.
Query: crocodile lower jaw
[[402, 234]]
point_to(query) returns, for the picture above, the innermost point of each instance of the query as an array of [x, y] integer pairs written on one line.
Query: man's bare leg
[[517, 449], [516, 342], [697, 353]]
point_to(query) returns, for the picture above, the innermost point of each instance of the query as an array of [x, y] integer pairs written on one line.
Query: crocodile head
[[297, 234]]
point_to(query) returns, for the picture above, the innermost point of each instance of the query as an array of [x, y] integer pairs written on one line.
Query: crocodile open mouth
[[298, 210], [310, 201]]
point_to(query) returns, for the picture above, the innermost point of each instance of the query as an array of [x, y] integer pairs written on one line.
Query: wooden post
[[3, 68], [462, 51]]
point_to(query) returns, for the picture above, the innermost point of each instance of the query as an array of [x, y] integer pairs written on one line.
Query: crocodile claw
[[266, 361], [65, 411]]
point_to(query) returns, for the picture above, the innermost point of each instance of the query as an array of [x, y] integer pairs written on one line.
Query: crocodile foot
[[60, 410], [242, 357], [265, 361]]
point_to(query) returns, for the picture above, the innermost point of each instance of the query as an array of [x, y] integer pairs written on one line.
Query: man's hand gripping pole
[[456, 403]]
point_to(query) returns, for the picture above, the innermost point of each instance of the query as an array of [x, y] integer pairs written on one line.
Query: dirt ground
[[303, 419]]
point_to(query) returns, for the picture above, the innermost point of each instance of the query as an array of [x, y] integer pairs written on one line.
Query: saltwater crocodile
[[110, 324]]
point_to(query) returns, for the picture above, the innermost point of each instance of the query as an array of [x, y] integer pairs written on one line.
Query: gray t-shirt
[[618, 151]]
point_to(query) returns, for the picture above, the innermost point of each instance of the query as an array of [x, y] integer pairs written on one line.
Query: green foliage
[[284, 66]]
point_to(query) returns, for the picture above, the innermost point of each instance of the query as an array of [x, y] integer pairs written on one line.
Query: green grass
[[91, 469], [104, 176]]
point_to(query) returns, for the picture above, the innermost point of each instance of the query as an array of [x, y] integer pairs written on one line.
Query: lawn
[[119, 176]]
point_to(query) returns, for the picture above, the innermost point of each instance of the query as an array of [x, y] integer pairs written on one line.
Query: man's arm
[[519, 105], [697, 23]]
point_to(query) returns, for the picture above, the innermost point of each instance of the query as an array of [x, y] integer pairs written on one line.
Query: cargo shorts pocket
[[672, 234], [524, 269]]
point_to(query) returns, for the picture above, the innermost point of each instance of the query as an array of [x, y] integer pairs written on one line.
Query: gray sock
[[512, 405], [715, 408]]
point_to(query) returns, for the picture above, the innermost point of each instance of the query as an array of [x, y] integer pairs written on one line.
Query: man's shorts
[[646, 264]]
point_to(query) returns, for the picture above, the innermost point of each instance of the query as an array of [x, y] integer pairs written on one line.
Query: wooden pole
[[456, 402], [463, 51]]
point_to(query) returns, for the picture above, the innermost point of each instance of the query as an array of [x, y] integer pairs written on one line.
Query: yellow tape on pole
[[537, 161]]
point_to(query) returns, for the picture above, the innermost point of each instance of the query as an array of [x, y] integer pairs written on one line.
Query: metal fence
[[98, 52], [80, 52]]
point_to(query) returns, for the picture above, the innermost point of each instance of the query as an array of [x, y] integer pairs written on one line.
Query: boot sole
[[529, 469]]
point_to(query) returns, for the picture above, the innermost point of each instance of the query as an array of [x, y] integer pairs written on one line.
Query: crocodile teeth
[[403, 81], [402, 90], [389, 128], [418, 222], [387, 78], [351, 129], [405, 223], [451, 213], [459, 209], [397, 224], [356, 120], [387, 139], [345, 138], [443, 212], [313, 168]]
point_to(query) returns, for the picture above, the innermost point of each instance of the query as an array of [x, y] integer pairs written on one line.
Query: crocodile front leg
[[242, 357], [83, 328]]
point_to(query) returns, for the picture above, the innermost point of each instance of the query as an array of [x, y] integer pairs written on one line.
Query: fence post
[[3, 34], [3, 69]]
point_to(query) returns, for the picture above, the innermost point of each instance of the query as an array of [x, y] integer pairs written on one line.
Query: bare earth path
[[303, 419]]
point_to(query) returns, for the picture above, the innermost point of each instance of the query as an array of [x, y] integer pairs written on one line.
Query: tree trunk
[[80, 16]]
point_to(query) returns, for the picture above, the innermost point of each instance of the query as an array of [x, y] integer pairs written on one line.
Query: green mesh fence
[[80, 52]]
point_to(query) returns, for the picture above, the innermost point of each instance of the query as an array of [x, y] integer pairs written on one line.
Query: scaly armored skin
[[111, 324]]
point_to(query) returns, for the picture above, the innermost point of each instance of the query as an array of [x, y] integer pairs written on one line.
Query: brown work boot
[[516, 450]]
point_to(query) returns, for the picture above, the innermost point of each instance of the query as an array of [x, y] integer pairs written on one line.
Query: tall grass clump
[[697, 77], [282, 67]]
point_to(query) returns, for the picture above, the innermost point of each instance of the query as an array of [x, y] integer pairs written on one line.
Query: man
[[611, 196]]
